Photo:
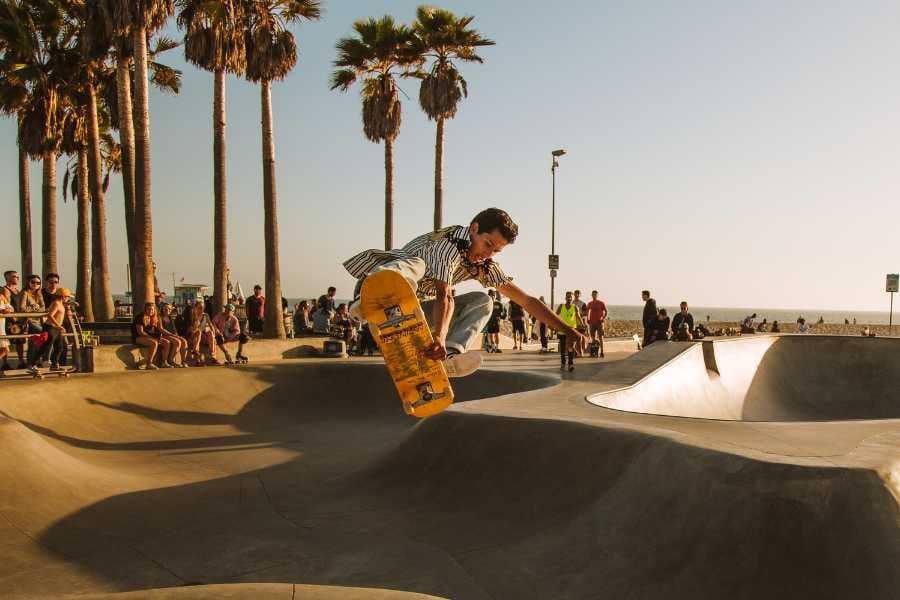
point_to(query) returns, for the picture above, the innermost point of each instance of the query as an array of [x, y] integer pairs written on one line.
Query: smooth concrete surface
[[772, 378], [307, 473]]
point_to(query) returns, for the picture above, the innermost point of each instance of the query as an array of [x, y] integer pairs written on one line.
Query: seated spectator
[[802, 327], [14, 327], [302, 322], [5, 308], [31, 300], [201, 330], [228, 331], [762, 327], [747, 324], [168, 326], [660, 331], [322, 321], [344, 324], [146, 332], [683, 324], [776, 328], [701, 331]]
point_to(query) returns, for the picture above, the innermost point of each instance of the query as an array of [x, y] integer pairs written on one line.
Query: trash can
[[84, 359]]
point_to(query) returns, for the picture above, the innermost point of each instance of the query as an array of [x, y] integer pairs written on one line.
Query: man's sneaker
[[460, 365], [152, 367], [54, 367], [33, 370], [571, 368]]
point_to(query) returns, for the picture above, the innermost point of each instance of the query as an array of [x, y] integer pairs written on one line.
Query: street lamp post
[[554, 259]]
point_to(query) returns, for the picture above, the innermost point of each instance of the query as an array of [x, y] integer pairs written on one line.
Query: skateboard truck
[[395, 317], [426, 395]]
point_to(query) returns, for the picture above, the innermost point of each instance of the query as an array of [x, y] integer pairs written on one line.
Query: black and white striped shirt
[[444, 252]]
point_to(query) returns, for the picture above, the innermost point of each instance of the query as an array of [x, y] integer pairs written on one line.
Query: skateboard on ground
[[60, 373], [398, 325]]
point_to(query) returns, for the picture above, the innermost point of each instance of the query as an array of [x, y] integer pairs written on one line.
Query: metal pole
[[891, 317], [553, 229]]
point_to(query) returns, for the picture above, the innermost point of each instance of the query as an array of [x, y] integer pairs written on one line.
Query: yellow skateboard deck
[[399, 327]]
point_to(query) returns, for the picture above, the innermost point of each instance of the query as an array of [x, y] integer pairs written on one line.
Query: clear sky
[[732, 154]]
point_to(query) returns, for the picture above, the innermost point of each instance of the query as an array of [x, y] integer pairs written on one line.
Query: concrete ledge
[[121, 357]]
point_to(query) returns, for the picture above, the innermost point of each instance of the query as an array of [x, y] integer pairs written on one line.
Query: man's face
[[684, 308], [568, 297], [484, 245], [331, 293], [257, 292], [578, 295], [594, 295], [645, 297], [52, 284], [12, 279]]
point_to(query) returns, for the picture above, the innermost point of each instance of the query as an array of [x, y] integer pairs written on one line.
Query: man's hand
[[575, 340], [437, 350]]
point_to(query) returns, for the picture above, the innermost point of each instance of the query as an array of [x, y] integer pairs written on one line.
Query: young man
[[228, 331], [596, 317], [571, 316], [327, 300], [517, 318], [54, 325], [256, 309], [12, 286], [649, 316], [493, 324], [683, 324], [436, 261]]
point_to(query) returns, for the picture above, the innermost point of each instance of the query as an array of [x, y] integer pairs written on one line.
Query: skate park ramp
[[308, 479], [772, 378]]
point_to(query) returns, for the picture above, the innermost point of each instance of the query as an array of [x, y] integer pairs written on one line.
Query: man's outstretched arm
[[542, 312]]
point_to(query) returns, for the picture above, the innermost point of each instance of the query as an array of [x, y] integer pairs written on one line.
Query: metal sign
[[553, 260], [552, 272], [893, 283]]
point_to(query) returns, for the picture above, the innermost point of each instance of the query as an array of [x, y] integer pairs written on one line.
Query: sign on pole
[[553, 260], [552, 272], [893, 282]]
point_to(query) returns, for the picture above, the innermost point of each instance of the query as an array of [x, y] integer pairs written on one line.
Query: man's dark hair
[[257, 287], [332, 289], [595, 292], [49, 275], [494, 219], [6, 274], [646, 292]]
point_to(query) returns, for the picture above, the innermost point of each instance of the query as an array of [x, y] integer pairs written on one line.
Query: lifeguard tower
[[189, 292]]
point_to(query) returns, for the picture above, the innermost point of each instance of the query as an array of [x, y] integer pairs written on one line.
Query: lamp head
[[558, 153]]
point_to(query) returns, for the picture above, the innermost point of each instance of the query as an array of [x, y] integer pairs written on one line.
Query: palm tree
[[443, 37], [141, 18], [118, 98], [214, 41], [380, 50], [78, 175], [12, 94], [37, 45], [271, 54]]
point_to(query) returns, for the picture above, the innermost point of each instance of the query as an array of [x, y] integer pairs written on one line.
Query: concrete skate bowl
[[311, 475], [772, 378]]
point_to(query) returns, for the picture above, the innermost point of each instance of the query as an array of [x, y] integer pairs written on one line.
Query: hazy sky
[[732, 154]]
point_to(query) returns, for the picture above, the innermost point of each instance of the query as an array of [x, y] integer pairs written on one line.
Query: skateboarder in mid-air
[[436, 261]]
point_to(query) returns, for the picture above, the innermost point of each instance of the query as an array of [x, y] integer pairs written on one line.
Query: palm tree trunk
[[48, 202], [25, 215], [388, 194], [439, 174], [220, 208], [143, 215], [273, 324], [83, 283], [126, 141], [102, 296]]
